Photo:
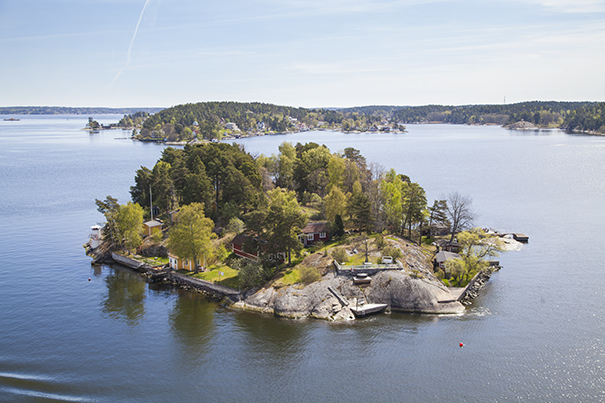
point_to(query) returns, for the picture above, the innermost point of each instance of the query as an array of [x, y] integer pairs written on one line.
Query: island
[[214, 121], [302, 233]]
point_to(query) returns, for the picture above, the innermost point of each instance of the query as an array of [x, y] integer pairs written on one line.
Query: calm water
[[536, 333]]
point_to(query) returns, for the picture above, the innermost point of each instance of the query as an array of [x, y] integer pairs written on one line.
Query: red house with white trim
[[315, 232], [237, 247]]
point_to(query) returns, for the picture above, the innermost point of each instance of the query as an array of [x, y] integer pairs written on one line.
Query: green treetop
[[476, 246], [189, 238]]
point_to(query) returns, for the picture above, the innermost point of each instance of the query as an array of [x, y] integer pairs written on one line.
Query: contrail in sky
[[136, 29]]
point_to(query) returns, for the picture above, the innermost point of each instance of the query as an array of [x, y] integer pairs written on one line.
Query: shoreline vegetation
[[294, 230]]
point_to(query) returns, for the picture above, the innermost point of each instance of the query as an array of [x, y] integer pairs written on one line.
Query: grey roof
[[239, 239], [316, 227], [444, 255], [446, 242]]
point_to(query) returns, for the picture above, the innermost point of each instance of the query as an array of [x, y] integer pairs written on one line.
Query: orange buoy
[[461, 344]]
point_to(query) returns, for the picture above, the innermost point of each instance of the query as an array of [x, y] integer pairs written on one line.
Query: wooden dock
[[517, 236]]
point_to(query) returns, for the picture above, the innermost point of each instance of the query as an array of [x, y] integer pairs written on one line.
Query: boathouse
[[177, 263], [149, 227]]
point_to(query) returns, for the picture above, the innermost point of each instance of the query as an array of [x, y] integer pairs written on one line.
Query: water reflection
[[125, 299], [191, 319], [192, 325], [272, 333], [97, 270]]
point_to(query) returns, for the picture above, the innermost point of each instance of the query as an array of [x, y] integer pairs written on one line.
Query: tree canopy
[[476, 246], [189, 237], [279, 222], [124, 223]]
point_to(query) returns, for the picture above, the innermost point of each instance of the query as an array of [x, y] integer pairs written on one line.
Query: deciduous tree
[[476, 246], [335, 204], [189, 238], [460, 212], [130, 225]]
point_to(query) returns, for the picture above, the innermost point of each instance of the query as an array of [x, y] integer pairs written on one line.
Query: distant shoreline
[[61, 110]]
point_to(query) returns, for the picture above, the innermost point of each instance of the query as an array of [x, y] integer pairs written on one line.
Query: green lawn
[[360, 258], [290, 277], [154, 261], [228, 278]]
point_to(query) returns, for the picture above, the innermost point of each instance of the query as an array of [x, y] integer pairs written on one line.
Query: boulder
[[411, 293], [400, 291]]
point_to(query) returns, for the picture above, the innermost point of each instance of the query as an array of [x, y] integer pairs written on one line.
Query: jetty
[[166, 275], [517, 236]]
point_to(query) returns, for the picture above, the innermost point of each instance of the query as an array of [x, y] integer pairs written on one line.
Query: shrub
[[416, 274], [309, 274], [315, 199], [251, 274], [157, 236], [222, 253], [340, 255], [392, 251], [380, 241], [317, 246], [235, 225]]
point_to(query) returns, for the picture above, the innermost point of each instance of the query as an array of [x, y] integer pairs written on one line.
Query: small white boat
[[367, 309]]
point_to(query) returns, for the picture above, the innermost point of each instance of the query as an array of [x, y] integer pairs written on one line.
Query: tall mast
[[150, 203]]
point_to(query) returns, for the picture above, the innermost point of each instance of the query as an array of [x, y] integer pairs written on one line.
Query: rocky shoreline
[[408, 290], [399, 291]]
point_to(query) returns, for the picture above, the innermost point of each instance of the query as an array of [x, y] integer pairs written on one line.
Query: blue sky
[[310, 53]]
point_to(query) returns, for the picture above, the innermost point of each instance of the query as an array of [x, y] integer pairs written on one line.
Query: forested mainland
[[216, 120], [64, 110]]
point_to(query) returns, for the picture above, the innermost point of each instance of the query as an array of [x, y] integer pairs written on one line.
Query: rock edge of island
[[334, 297]]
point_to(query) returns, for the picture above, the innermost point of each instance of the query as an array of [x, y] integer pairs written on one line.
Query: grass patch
[[360, 258], [228, 279], [289, 277], [213, 273], [154, 261]]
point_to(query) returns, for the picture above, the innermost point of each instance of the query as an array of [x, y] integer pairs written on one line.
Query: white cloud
[[349, 6], [573, 6]]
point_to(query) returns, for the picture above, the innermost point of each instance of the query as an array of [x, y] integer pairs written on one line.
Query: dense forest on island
[[221, 189], [540, 113], [590, 119], [214, 120]]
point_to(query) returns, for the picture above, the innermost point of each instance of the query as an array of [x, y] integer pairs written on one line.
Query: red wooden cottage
[[315, 232], [237, 247]]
